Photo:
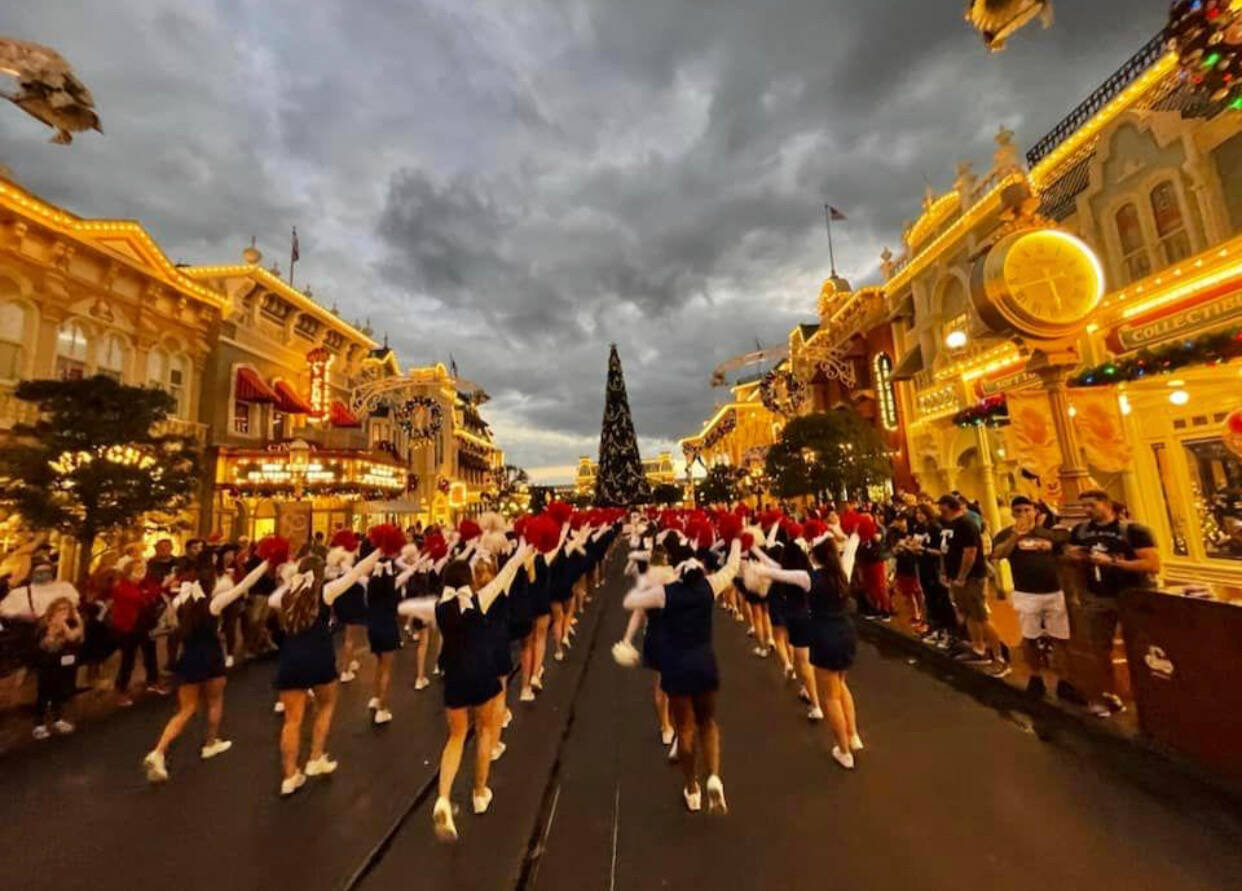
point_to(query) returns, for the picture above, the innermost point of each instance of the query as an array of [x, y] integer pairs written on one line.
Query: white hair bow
[[463, 595], [189, 591], [384, 567], [300, 580]]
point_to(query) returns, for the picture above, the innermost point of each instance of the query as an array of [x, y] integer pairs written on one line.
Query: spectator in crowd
[[906, 569], [1117, 555], [315, 547], [1033, 552], [925, 543], [162, 562], [227, 568], [873, 567], [135, 602], [965, 571]]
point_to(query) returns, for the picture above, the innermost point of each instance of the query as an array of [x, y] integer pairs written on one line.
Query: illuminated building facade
[[659, 471]]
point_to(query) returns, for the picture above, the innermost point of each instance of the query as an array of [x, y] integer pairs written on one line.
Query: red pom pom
[[519, 524], [434, 546], [792, 528], [729, 526], [273, 549], [813, 529], [770, 518], [742, 510], [578, 519], [543, 533], [347, 539], [559, 511], [849, 521], [670, 519], [866, 527], [700, 532], [469, 530], [387, 538], [748, 541]]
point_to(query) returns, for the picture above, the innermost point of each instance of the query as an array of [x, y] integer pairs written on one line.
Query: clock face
[[1052, 280]]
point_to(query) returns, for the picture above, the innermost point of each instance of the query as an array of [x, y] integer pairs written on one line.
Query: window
[[241, 418], [882, 374], [157, 361], [113, 356], [12, 338], [1170, 225], [71, 352], [178, 378], [1216, 483], [1134, 259]]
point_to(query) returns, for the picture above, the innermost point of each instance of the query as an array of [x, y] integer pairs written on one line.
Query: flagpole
[[832, 260], [293, 254]]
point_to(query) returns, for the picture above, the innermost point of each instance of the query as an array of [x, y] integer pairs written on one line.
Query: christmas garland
[[726, 426], [990, 412], [1207, 37], [782, 392], [1206, 349]]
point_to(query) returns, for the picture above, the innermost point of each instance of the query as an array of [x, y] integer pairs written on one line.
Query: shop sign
[[1008, 382], [1194, 320]]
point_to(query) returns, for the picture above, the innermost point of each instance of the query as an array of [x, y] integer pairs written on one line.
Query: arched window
[[886, 398], [1134, 257], [71, 346], [1170, 224], [12, 341], [170, 373], [157, 364], [113, 356]]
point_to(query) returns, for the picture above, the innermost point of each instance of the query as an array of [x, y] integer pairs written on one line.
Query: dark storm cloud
[[522, 182]]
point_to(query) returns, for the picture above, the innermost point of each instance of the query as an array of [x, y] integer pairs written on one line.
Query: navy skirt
[[351, 607], [689, 672], [834, 643]]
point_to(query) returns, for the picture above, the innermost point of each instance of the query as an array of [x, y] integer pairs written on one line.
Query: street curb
[[1162, 772]]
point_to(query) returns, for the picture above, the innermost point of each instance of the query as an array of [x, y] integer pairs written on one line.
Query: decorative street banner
[[1098, 422], [1034, 439]]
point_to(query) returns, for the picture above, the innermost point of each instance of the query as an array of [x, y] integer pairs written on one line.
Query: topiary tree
[[720, 486], [93, 464], [826, 455]]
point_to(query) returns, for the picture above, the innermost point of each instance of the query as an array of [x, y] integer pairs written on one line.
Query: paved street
[[947, 795]]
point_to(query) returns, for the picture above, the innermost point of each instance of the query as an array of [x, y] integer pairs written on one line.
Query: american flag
[[834, 214]]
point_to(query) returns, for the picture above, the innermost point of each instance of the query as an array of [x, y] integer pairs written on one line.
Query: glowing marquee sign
[[319, 360]]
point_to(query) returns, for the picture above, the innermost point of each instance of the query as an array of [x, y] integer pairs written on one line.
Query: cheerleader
[[655, 573], [471, 688], [308, 662], [435, 555], [200, 668], [781, 533], [834, 642], [383, 588], [349, 609], [688, 672], [545, 534], [798, 613]]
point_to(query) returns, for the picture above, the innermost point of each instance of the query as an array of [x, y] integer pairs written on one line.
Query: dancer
[[471, 688], [543, 533], [798, 616], [656, 573], [688, 672], [308, 662], [435, 555], [383, 630], [200, 668], [350, 609], [834, 641]]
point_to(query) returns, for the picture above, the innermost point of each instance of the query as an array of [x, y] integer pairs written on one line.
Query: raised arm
[[222, 598], [763, 557], [721, 579], [799, 577], [422, 608], [337, 587], [644, 597], [504, 578]]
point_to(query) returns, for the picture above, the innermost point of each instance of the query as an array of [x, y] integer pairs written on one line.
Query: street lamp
[[955, 339]]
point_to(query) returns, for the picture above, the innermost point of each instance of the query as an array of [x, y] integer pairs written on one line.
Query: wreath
[[405, 414], [782, 392]]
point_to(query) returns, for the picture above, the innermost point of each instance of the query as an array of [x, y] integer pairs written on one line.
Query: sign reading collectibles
[[1194, 320]]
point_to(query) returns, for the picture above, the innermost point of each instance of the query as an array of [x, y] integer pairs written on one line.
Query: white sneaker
[[625, 654], [672, 751], [815, 714], [436, 671], [506, 720], [715, 796], [41, 731], [482, 800], [63, 727], [498, 751], [154, 765], [279, 707], [373, 703], [347, 676], [228, 661], [292, 784], [321, 766], [442, 817], [382, 716], [536, 682], [422, 684], [215, 747], [528, 695], [559, 656], [667, 736], [354, 665], [845, 759], [856, 744], [750, 632], [694, 800], [761, 652]]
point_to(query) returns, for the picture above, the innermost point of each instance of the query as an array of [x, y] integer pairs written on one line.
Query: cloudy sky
[[521, 182]]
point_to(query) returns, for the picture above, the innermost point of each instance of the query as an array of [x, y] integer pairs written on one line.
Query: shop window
[[71, 345], [12, 340], [1134, 258], [1216, 485], [241, 417], [1177, 524], [112, 357], [1228, 157], [1170, 224], [882, 373]]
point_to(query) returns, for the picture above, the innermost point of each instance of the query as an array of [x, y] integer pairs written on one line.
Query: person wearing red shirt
[[135, 598]]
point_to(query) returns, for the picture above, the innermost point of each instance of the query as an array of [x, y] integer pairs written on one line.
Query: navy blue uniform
[[834, 642], [468, 658], [687, 660], [383, 630], [308, 658]]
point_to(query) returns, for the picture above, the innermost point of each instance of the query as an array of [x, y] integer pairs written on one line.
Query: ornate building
[[659, 471]]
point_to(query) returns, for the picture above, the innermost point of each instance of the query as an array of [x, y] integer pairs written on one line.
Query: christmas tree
[[620, 481]]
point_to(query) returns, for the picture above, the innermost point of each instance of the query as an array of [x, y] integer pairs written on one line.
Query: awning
[[251, 388], [910, 365], [290, 401], [340, 416]]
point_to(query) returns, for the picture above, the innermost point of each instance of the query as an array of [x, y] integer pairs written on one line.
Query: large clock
[[1042, 283]]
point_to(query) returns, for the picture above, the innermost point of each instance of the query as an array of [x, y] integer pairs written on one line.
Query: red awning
[[290, 401], [251, 388], [340, 415]]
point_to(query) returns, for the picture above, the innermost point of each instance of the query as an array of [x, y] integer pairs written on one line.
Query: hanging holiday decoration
[[319, 360], [990, 412], [419, 417], [620, 481], [1231, 434], [693, 451], [443, 485], [1212, 348], [1207, 37], [782, 392]]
